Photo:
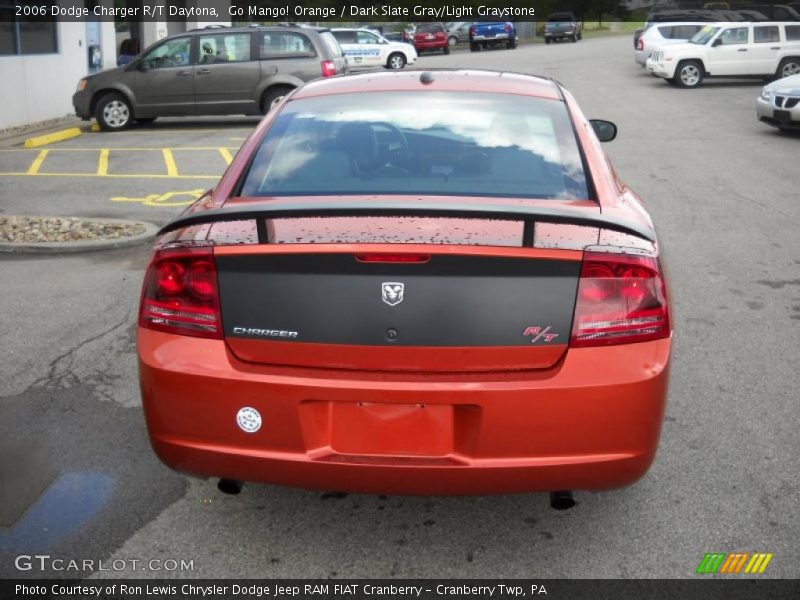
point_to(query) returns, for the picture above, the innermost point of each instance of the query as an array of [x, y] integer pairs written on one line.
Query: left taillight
[[621, 299], [328, 68], [181, 294]]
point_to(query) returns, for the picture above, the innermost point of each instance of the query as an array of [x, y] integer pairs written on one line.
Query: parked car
[[663, 34], [458, 33], [431, 36], [318, 321], [366, 49], [730, 50], [775, 12], [779, 103], [491, 34], [212, 71], [562, 26]]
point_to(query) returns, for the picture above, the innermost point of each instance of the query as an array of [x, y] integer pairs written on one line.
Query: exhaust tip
[[230, 486], [562, 500]]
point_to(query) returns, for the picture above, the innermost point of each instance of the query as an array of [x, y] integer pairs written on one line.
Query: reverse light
[[328, 68], [180, 293], [621, 299]]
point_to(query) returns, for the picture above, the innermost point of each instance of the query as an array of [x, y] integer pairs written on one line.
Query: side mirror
[[606, 131], [716, 42], [142, 65]]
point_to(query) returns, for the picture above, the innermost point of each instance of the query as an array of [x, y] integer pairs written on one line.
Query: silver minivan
[[211, 71]]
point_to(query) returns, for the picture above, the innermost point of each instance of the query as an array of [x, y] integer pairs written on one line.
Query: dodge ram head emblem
[[392, 292]]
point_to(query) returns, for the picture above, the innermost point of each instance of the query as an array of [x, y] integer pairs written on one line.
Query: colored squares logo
[[734, 563]]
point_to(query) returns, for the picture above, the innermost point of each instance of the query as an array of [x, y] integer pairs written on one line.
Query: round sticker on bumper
[[248, 419]]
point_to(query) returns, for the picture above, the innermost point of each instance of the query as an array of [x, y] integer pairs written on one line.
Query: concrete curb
[[52, 138], [150, 230]]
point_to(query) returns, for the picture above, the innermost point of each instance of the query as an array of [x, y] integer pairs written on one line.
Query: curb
[[150, 231], [51, 138]]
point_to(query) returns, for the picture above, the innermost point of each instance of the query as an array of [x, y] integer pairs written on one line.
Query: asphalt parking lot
[[723, 191]]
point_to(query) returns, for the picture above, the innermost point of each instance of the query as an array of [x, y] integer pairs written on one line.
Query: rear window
[[429, 28], [462, 144], [331, 45], [560, 17]]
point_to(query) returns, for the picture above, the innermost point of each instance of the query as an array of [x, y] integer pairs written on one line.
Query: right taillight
[[621, 299], [180, 293], [328, 68]]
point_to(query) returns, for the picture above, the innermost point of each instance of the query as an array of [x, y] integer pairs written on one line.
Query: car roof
[[458, 80]]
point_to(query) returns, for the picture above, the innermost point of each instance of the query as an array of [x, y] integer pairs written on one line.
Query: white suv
[[365, 49], [731, 50], [664, 34]]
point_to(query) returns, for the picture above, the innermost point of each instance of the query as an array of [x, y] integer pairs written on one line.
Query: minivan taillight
[[180, 293], [328, 68], [621, 299]]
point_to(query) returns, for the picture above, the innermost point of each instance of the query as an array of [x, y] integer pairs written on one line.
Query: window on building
[[34, 35]]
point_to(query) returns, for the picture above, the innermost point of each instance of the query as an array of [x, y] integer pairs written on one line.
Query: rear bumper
[[591, 423], [421, 46], [502, 37]]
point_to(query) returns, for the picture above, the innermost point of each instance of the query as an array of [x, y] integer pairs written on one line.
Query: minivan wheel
[[788, 66], [689, 74], [396, 61], [272, 96], [113, 112]]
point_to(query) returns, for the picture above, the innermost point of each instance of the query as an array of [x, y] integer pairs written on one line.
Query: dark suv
[[211, 71]]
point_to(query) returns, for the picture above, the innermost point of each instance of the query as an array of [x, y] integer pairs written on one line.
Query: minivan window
[[224, 48], [172, 53], [285, 44]]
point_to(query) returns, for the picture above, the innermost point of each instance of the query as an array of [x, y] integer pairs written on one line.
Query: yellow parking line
[[117, 175], [134, 149], [226, 155], [102, 162], [37, 162], [169, 161], [237, 139]]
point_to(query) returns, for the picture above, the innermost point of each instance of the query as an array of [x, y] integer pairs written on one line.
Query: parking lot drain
[[51, 138]]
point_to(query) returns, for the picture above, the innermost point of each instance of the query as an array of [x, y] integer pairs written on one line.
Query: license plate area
[[782, 116]]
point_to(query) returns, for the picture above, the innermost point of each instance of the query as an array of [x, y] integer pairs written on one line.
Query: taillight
[[328, 68], [393, 258], [180, 293], [621, 299], [472, 31], [506, 27], [641, 44]]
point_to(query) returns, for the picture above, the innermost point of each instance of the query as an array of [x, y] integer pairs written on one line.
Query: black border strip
[[406, 208]]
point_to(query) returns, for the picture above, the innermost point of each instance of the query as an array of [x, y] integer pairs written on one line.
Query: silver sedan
[[779, 103]]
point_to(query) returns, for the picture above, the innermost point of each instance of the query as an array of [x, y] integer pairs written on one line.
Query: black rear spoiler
[[530, 215]]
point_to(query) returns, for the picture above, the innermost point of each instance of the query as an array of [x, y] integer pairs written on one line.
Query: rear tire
[[272, 95], [446, 49], [789, 66], [396, 61], [511, 44], [574, 38], [689, 74], [547, 40], [113, 112], [473, 47]]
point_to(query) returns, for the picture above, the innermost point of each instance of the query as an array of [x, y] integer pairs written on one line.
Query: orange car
[[411, 283]]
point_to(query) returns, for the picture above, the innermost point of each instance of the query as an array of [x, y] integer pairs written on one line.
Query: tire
[[789, 66], [473, 47], [271, 95], [113, 112], [452, 41], [447, 49], [574, 38], [511, 44], [396, 61], [547, 40], [689, 74], [147, 121]]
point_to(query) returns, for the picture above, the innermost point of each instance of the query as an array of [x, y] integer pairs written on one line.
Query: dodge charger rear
[[415, 283]]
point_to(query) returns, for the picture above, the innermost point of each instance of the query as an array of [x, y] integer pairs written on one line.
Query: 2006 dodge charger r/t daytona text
[[411, 282]]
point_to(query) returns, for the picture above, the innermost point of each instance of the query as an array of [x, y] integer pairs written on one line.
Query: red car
[[431, 36], [376, 298]]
